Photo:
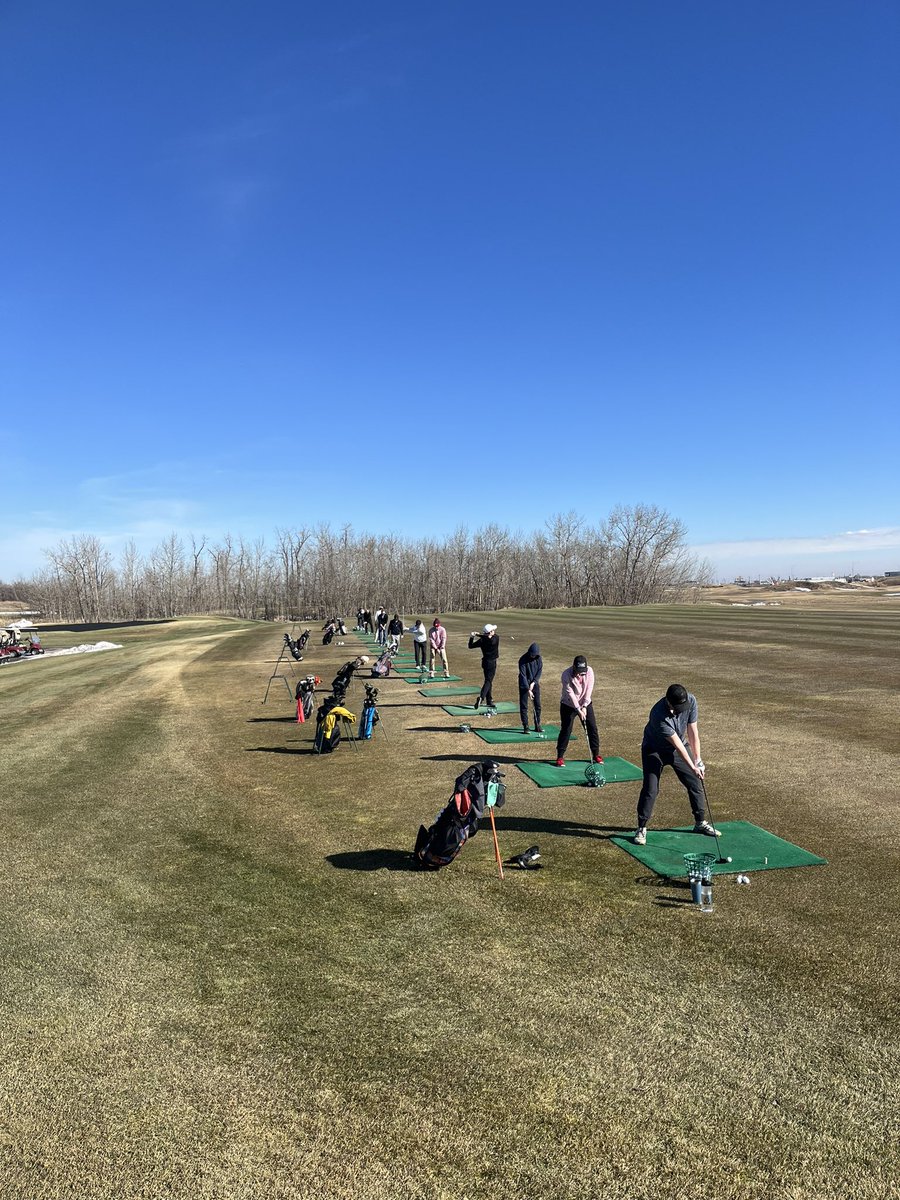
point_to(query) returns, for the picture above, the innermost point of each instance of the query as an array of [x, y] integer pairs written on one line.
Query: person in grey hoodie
[[531, 667]]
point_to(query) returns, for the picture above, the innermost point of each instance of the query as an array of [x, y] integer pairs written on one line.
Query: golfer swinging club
[[672, 721]]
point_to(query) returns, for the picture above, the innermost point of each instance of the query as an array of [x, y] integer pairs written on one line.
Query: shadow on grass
[[564, 828], [284, 720], [282, 750], [474, 757], [372, 860], [433, 728]]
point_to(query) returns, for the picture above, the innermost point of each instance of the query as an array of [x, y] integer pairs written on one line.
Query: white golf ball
[[728, 859]]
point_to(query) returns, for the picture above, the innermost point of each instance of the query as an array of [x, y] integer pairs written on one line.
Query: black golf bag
[[341, 681], [330, 628], [303, 639], [342, 628], [293, 647], [458, 820]]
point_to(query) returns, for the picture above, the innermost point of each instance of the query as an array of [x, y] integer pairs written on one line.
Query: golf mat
[[547, 775], [749, 847], [440, 690], [434, 682], [497, 736], [466, 710]]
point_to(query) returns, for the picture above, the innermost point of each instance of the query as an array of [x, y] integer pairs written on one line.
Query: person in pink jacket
[[437, 646], [575, 703]]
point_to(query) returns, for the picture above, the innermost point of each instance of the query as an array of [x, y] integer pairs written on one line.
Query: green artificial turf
[[438, 690], [467, 710], [750, 848], [500, 736], [548, 775], [417, 678]]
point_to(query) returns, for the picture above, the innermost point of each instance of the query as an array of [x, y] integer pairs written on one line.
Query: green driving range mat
[[499, 736], [466, 710], [435, 682], [547, 775], [749, 847], [440, 690]]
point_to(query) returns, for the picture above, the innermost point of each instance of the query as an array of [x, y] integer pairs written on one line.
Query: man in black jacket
[[489, 644], [531, 667]]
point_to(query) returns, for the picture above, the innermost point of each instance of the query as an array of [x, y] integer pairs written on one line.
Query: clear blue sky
[[409, 265]]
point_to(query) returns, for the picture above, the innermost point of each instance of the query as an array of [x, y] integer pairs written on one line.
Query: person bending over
[[576, 703], [672, 739], [531, 667], [437, 646]]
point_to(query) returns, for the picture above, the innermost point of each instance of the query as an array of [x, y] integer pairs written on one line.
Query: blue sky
[[407, 266]]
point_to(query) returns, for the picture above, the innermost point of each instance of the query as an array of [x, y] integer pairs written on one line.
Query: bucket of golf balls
[[699, 870]]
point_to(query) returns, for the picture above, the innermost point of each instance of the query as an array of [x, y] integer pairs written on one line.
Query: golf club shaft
[[710, 818]]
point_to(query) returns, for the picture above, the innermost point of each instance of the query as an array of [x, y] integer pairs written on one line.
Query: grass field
[[220, 978]]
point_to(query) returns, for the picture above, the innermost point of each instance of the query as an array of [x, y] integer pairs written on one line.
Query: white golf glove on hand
[[700, 765]]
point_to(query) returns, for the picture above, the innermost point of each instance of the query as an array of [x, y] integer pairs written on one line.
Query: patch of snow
[[799, 589], [86, 648]]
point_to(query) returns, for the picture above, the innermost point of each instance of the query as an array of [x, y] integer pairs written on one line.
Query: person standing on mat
[[489, 645], [437, 646], [420, 641], [395, 631], [381, 620], [576, 703], [672, 739], [531, 667]]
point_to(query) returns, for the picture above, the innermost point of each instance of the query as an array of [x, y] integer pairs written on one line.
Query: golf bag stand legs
[[276, 674]]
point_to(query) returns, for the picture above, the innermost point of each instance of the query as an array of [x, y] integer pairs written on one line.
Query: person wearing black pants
[[575, 702], [531, 667], [672, 739], [489, 643], [420, 642]]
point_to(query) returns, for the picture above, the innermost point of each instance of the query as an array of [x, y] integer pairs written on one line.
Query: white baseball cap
[[489, 628]]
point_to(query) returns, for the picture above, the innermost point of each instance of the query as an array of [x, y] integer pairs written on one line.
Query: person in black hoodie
[[489, 644], [531, 667]]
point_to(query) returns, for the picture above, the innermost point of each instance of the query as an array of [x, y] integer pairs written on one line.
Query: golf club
[[709, 815]]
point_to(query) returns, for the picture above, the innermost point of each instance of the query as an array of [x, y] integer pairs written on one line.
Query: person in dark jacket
[[489, 644], [395, 630], [531, 667]]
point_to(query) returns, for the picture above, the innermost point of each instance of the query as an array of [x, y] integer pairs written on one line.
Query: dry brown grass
[[222, 982]]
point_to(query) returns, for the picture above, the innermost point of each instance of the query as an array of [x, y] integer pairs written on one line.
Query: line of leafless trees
[[637, 555]]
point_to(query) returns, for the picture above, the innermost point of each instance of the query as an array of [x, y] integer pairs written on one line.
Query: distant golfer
[[672, 723], [437, 646], [531, 667], [576, 703], [489, 645], [381, 622]]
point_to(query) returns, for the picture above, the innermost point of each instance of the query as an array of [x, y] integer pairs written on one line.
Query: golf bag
[[305, 696], [330, 628], [303, 639], [458, 820], [328, 727], [369, 718], [341, 681], [382, 666], [293, 648]]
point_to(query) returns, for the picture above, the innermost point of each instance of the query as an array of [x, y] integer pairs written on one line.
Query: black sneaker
[[538, 729]]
